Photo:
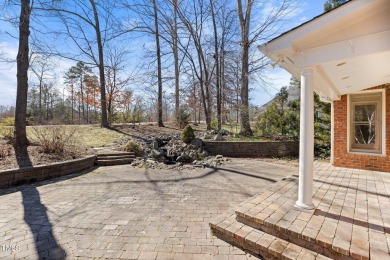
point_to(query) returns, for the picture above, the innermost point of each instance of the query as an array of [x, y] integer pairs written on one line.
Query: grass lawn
[[88, 136]]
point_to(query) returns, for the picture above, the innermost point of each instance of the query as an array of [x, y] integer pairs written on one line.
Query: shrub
[[8, 121], [214, 124], [188, 134], [132, 146], [5, 151], [54, 139], [7, 132], [184, 116], [322, 151]]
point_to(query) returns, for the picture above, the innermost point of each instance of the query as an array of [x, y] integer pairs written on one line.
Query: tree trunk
[[176, 60], [82, 96], [222, 91], [72, 101], [204, 86], [195, 102], [79, 111], [109, 109], [104, 121], [244, 25], [199, 111], [244, 110], [40, 101], [87, 107], [21, 141], [217, 72], [159, 76], [204, 96]]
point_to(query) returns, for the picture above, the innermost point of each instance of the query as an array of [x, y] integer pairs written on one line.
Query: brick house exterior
[[341, 157], [341, 55]]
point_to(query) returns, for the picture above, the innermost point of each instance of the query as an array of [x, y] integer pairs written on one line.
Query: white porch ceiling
[[355, 74], [349, 48]]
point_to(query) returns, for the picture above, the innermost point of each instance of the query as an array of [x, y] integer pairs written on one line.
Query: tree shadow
[[354, 188], [115, 129], [362, 223], [212, 171], [24, 185], [35, 216], [245, 174], [22, 157]]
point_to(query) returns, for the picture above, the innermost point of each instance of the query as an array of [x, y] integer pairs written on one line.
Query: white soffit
[[349, 48], [359, 73]]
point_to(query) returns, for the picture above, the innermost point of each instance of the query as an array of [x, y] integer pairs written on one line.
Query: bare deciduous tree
[[159, 75], [88, 25], [41, 67], [21, 141], [265, 26], [116, 80], [194, 17]]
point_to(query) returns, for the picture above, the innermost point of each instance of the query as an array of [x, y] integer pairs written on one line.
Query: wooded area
[[205, 49]]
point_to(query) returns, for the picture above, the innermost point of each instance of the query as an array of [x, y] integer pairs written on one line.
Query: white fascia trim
[[360, 46], [383, 153], [284, 41]]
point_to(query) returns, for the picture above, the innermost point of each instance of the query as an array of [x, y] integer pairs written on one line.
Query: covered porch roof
[[348, 48]]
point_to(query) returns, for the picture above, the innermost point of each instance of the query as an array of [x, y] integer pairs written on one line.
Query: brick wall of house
[[359, 161]]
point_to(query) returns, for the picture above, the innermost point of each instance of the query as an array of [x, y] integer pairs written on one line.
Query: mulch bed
[[37, 157]]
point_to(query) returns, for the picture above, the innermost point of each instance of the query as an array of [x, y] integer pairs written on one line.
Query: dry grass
[[96, 136], [132, 146], [5, 151], [54, 139], [87, 136], [7, 132]]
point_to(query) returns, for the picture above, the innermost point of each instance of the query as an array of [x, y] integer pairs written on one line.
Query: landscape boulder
[[218, 137], [197, 143]]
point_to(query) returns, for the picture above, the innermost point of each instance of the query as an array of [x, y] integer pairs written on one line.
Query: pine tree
[[332, 4]]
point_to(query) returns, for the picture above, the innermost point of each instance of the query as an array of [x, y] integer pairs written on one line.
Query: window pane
[[365, 113], [365, 134]]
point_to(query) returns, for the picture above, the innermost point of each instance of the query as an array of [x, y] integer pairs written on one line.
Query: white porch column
[[306, 143], [332, 133]]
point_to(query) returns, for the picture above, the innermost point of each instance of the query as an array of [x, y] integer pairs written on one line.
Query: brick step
[[109, 159], [273, 212], [130, 156], [115, 154], [114, 161], [257, 242]]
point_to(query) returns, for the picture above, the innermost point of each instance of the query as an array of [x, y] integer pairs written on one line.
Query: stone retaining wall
[[13, 177], [253, 149]]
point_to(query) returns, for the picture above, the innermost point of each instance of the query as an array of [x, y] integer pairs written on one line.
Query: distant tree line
[[200, 58]]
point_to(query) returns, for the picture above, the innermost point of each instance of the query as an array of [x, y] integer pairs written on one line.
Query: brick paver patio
[[351, 221], [122, 212]]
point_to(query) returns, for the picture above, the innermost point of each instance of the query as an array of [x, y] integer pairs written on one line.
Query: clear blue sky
[[277, 77]]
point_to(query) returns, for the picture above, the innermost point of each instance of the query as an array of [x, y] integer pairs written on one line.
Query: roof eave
[[284, 41]]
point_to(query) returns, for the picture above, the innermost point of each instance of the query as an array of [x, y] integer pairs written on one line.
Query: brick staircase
[[258, 242], [108, 159], [249, 227], [351, 219]]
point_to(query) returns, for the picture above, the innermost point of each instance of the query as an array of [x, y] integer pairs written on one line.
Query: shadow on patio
[[35, 216], [351, 220]]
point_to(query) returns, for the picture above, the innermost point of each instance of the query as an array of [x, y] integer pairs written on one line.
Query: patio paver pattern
[[120, 212], [351, 221]]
